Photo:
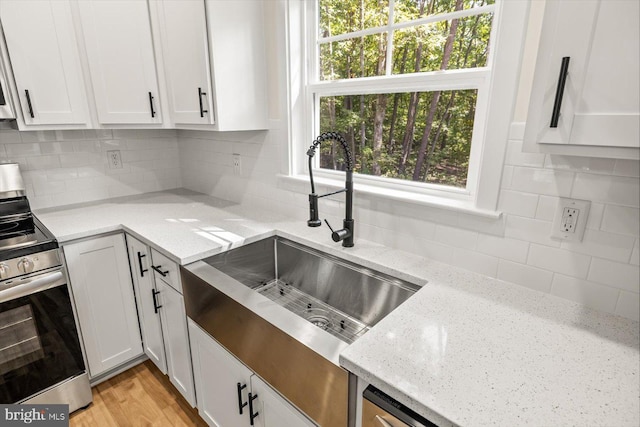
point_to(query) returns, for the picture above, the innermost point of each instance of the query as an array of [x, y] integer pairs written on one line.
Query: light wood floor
[[141, 396]]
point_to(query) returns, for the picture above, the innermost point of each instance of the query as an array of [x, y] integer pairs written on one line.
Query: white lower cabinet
[[103, 293], [228, 392], [176, 340], [162, 316], [273, 410], [140, 262]]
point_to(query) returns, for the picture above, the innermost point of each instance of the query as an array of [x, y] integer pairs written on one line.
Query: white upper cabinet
[[121, 59], [185, 49], [598, 110], [238, 58], [44, 54]]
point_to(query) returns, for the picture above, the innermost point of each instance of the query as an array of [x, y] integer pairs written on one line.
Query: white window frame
[[496, 84]]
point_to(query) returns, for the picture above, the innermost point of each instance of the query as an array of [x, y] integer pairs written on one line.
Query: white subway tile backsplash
[[595, 215], [629, 305], [43, 162], [518, 203], [621, 219], [559, 260], [504, 248], [627, 168], [546, 209], [580, 164], [21, 150], [38, 136], [63, 167], [525, 275], [433, 250], [10, 137], [588, 293], [616, 274], [616, 247], [542, 181], [607, 189], [475, 261], [455, 237], [516, 157], [530, 230], [56, 147]]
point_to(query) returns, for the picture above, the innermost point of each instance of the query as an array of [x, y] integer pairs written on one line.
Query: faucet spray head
[[313, 211]]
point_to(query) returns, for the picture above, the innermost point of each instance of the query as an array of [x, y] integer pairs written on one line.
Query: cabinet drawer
[[166, 270]]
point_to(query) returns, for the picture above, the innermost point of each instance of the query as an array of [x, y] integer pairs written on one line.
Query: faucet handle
[[338, 235]]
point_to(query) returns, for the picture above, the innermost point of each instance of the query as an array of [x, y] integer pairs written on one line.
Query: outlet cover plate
[[237, 164], [570, 220], [114, 159]]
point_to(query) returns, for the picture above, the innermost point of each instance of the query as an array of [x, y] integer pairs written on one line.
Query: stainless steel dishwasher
[[381, 410]]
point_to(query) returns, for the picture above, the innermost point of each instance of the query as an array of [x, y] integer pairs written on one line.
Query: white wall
[[65, 167]]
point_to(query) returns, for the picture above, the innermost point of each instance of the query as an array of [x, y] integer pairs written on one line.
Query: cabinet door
[[46, 64], [185, 50], [150, 325], [103, 293], [239, 68], [272, 409], [176, 340], [117, 34], [217, 374], [601, 98]]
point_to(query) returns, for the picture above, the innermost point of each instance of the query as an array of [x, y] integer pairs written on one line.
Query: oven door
[[39, 345]]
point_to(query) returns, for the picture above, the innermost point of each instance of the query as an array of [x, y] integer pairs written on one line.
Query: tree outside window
[[401, 80]]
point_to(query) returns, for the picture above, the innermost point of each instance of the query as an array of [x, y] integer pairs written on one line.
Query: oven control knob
[[4, 271], [25, 265]]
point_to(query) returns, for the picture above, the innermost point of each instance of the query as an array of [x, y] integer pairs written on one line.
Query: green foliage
[[418, 48]]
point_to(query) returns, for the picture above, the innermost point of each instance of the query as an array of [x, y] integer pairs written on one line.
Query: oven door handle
[[31, 285]]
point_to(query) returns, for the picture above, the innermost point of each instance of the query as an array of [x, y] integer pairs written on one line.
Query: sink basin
[[287, 311], [340, 297]]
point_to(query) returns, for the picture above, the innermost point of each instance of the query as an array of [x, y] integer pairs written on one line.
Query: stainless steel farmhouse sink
[[287, 311]]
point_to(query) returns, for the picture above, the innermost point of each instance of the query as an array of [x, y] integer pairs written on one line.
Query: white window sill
[[300, 184]]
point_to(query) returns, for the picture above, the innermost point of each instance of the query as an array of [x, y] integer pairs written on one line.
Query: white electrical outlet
[[115, 161], [237, 165], [571, 219]]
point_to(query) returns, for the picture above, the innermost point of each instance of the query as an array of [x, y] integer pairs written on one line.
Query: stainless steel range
[[40, 355]]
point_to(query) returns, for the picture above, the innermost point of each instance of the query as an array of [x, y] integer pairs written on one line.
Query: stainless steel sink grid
[[315, 311]]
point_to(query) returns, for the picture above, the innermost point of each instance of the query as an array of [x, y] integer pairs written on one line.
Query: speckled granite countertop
[[465, 350]]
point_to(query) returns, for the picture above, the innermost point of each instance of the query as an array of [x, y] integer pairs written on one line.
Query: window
[[422, 90]]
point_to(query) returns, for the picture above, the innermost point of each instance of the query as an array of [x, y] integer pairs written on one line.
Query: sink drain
[[318, 317]]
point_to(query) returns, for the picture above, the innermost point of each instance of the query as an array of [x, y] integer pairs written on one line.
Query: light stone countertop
[[464, 350]]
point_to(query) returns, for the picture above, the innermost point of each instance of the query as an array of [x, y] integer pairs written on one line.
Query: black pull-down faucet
[[346, 233]]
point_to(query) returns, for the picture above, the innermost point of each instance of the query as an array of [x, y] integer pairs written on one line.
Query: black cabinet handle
[[252, 416], [153, 112], [26, 92], [240, 403], [159, 270], [155, 293], [202, 110], [557, 103], [142, 270]]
